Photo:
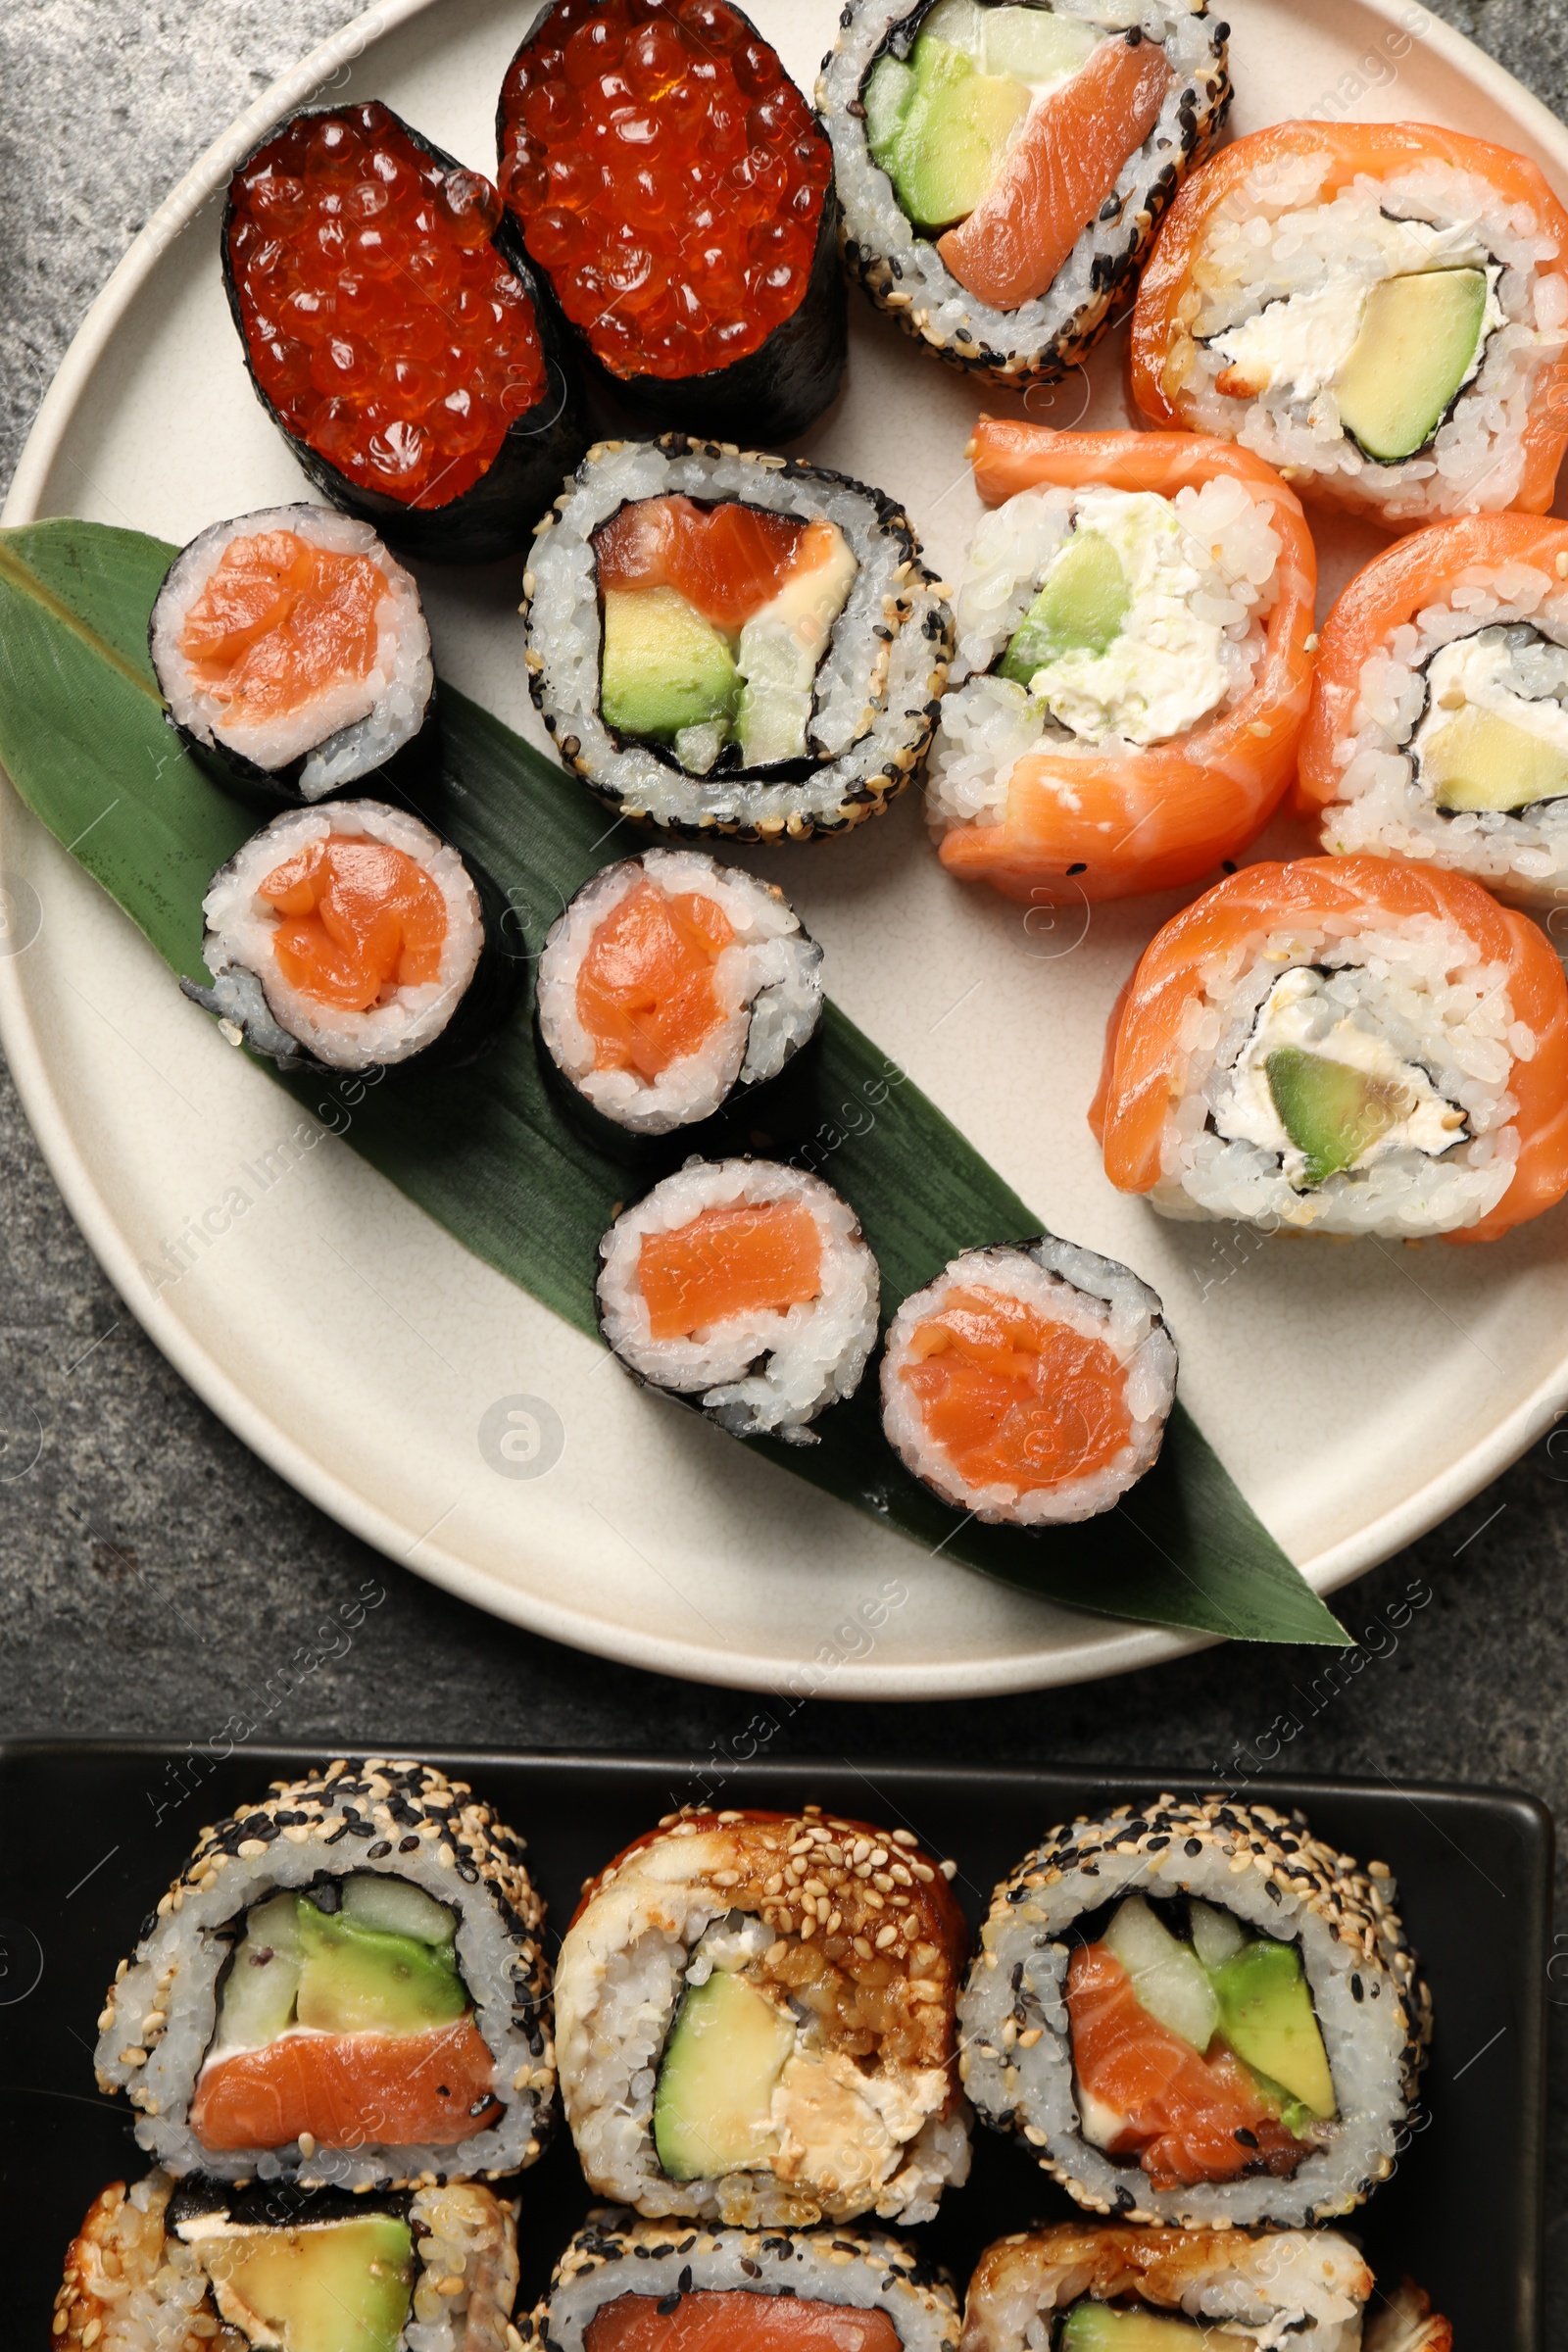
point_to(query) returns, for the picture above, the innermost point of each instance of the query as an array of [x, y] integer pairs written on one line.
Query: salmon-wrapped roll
[[755, 2014], [1133, 672], [1378, 308], [1344, 1045]]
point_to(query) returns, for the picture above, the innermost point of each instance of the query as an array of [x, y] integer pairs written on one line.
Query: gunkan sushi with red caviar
[[394, 332]]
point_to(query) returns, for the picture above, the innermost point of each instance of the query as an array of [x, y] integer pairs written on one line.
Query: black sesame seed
[[379, 1850], [1079, 869], [1247, 2140], [408, 1846], [668, 2304], [1358, 1989]]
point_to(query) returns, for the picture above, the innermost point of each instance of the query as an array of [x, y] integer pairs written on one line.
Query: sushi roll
[[351, 937], [169, 2266], [1002, 169], [345, 1987], [1342, 1045], [394, 334], [670, 982], [626, 2285], [677, 194], [1378, 308], [745, 1287], [1029, 1384], [1439, 730], [1133, 668], [1198, 2015], [755, 2019], [293, 658]]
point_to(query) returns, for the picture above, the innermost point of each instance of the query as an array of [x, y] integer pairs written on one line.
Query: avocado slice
[[257, 2003], [1112, 2327], [1266, 2015], [1080, 609], [361, 1980], [1419, 340], [955, 128], [1483, 761], [712, 2103], [333, 2286], [664, 666], [1331, 1111], [1167, 1975]]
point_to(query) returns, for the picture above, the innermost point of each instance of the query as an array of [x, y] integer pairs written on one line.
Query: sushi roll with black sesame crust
[[1198, 2015], [1002, 170], [729, 643], [346, 1986]]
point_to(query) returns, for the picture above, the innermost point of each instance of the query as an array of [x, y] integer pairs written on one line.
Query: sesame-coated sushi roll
[[1380, 310], [1198, 2015], [755, 2019], [745, 1287], [1029, 1384], [1002, 169], [194, 2266], [344, 1987]]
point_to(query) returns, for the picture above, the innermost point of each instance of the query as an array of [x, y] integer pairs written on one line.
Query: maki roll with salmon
[[745, 1287], [1133, 668], [723, 643], [1198, 2015], [190, 2266], [670, 983], [756, 2016], [1344, 1045], [1380, 310], [345, 1987], [1002, 169], [394, 334], [675, 192], [293, 658], [1029, 1384]]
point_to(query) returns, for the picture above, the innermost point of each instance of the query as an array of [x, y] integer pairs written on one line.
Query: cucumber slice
[[1216, 1934], [1420, 339], [264, 1977], [1167, 1975], [887, 98], [1035, 45], [397, 1907], [1483, 761]]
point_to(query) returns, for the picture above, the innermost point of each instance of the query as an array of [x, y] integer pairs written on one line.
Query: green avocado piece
[[336, 2286], [1112, 2327], [1331, 1111], [1080, 608], [257, 2002], [1418, 342], [713, 2102], [955, 129], [1483, 761], [664, 666], [1266, 2015], [361, 1980]]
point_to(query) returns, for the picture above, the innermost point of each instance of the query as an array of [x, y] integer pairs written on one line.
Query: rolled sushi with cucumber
[[1002, 169], [723, 643], [1380, 310], [1198, 2015], [345, 1987], [755, 2021]]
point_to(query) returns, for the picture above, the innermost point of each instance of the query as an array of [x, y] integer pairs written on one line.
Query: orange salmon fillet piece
[[359, 917], [717, 2319], [403, 2090], [279, 621], [728, 561], [1013, 1398], [729, 1263], [644, 989]]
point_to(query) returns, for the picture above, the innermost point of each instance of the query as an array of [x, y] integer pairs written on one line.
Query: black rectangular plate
[[93, 1833]]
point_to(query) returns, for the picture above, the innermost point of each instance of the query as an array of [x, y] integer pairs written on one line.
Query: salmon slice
[[279, 621], [717, 2319], [403, 2090], [1012, 1398], [1066, 162], [730, 1262], [728, 560], [360, 918], [645, 990], [1185, 2113]]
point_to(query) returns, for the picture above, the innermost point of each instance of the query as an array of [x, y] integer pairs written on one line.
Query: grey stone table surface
[[155, 1577]]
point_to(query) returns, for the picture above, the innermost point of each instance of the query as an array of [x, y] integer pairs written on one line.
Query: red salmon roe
[[384, 325], [668, 176]]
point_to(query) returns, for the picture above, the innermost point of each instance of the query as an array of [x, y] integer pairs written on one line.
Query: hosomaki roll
[[1133, 667], [627, 2286], [192, 2266], [723, 643], [1378, 308], [755, 2019], [670, 983], [1342, 1045], [1078, 2288], [1029, 1383], [344, 1987], [745, 1287], [1002, 169], [1183, 2040]]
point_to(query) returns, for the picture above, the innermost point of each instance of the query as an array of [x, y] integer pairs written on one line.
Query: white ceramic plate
[[1358, 1394]]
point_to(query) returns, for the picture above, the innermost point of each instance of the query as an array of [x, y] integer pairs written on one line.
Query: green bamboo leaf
[[490, 1152]]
